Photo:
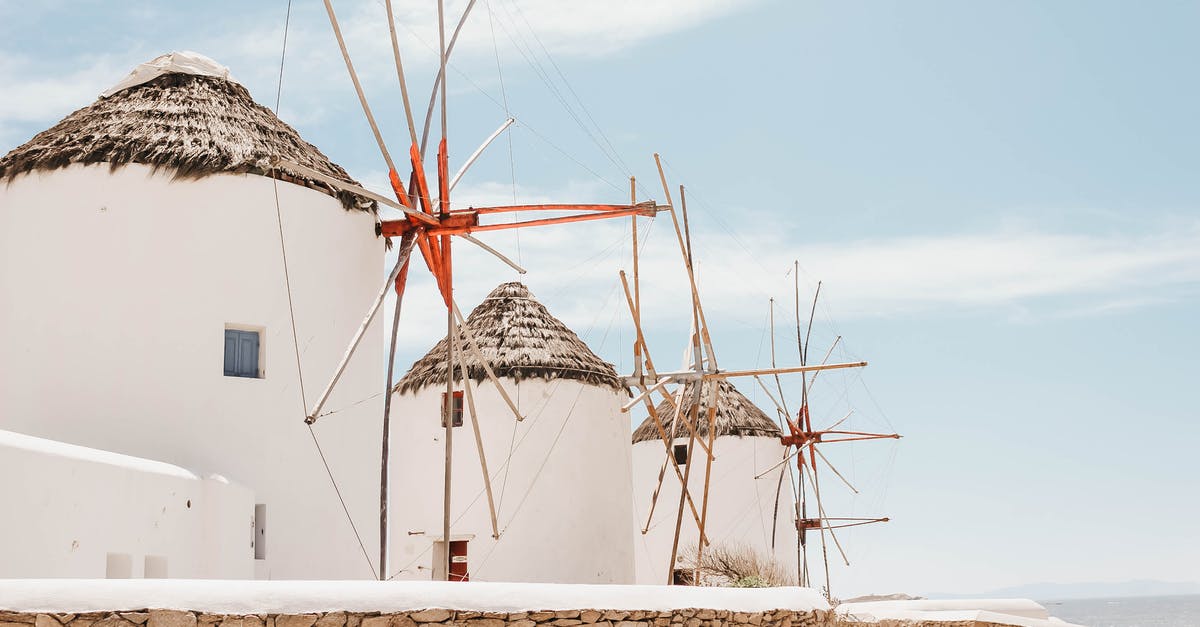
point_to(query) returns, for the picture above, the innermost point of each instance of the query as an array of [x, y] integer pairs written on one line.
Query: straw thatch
[[736, 415], [520, 340], [186, 124]]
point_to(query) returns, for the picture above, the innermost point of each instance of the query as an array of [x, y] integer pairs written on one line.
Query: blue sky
[[1000, 198]]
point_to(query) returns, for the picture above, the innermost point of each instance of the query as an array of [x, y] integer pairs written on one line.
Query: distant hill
[[1086, 590], [882, 597]]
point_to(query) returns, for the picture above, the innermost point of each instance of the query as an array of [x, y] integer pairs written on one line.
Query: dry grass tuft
[[738, 566]]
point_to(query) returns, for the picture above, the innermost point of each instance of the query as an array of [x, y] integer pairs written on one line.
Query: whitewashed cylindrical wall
[[561, 481], [742, 510], [117, 289]]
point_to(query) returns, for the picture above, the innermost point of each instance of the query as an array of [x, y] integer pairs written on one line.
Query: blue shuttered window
[[241, 353]]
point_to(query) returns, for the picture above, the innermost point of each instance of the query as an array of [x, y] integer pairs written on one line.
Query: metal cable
[[374, 574], [291, 304], [512, 164]]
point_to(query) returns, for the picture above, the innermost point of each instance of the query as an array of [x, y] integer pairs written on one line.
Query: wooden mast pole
[[698, 365], [435, 247], [667, 439], [637, 288], [714, 387], [444, 204], [687, 471], [448, 420], [801, 496], [781, 408], [412, 127], [384, 479], [487, 478], [384, 535]]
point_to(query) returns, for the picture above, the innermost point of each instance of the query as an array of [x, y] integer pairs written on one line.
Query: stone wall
[[459, 618], [427, 618]]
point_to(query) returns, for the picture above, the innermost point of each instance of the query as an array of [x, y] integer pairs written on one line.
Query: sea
[[1166, 611]]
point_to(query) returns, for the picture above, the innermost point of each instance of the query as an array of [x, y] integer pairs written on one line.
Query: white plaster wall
[[115, 289], [66, 507], [562, 495], [740, 507]]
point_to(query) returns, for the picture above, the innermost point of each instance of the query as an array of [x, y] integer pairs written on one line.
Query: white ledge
[[293, 597], [54, 448], [1016, 612]]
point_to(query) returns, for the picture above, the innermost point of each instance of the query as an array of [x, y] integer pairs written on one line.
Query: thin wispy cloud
[[526, 36], [1038, 273], [31, 95], [881, 276]]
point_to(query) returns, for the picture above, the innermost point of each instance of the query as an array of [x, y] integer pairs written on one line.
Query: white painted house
[[560, 477], [145, 311], [743, 511]]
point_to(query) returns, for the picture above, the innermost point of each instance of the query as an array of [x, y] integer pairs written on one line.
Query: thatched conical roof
[[520, 340], [736, 415], [190, 124]]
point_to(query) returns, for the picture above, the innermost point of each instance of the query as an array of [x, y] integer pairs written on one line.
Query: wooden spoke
[[646, 391], [640, 342], [437, 83], [478, 151], [648, 208], [667, 439], [654, 497], [584, 217], [786, 458], [362, 98], [412, 128], [698, 321], [778, 385], [637, 289], [429, 224], [284, 164], [487, 478], [668, 443], [406, 247], [512, 264], [835, 470], [821, 512], [384, 476], [686, 476], [778, 407], [825, 359], [708, 460], [470, 337], [844, 419], [448, 419], [692, 375], [775, 508], [816, 483]]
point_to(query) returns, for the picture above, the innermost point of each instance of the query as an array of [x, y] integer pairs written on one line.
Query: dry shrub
[[735, 565]]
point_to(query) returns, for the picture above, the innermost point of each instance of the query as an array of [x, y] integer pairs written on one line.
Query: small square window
[[458, 409], [241, 353], [681, 454]]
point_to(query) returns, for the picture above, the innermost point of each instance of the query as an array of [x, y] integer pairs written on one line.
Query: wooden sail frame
[[801, 437], [798, 439], [430, 224], [704, 370]]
